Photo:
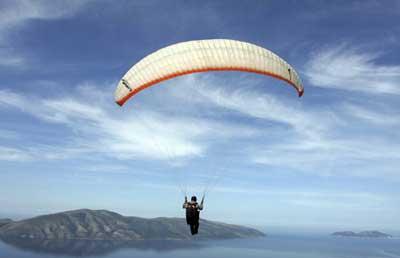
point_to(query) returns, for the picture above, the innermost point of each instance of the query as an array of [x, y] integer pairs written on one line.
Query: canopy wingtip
[[120, 102], [301, 92]]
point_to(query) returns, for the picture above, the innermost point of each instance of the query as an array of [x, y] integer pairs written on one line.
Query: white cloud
[[15, 13], [109, 168], [9, 58], [351, 69], [40, 152], [7, 134], [291, 135], [340, 206], [316, 141], [318, 197], [12, 154], [344, 157], [373, 116], [212, 92], [11, 99], [146, 135], [124, 133]]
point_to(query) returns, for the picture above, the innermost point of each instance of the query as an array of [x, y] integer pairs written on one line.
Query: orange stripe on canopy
[[208, 69]]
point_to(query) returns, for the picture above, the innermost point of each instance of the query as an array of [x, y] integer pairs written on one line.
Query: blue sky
[[327, 160]]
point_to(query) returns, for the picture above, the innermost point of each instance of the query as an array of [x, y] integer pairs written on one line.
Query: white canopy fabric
[[201, 56]]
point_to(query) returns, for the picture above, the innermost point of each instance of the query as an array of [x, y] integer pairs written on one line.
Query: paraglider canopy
[[202, 56]]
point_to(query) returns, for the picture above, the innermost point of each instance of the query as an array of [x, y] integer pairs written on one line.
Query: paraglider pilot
[[193, 213]]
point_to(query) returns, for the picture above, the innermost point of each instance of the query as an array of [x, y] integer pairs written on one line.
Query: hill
[[4, 222], [369, 234], [107, 225]]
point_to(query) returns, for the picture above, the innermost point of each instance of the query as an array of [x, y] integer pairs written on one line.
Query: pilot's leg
[[196, 227], [193, 229]]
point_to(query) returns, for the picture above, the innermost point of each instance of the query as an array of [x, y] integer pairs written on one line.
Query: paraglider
[[202, 56]]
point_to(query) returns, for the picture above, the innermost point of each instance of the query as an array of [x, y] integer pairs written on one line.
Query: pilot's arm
[[201, 205], [184, 206]]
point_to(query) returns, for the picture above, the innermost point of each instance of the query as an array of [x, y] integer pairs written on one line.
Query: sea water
[[272, 246]]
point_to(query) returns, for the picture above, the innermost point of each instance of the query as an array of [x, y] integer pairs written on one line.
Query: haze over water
[[283, 246]]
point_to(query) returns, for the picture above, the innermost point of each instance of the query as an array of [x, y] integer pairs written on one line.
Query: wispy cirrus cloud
[[313, 204], [317, 141], [346, 68], [154, 126], [107, 129], [33, 152], [14, 14], [8, 134], [381, 116], [13, 154]]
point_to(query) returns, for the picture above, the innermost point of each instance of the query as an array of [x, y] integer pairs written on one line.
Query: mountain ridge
[[108, 225], [5, 221], [366, 233]]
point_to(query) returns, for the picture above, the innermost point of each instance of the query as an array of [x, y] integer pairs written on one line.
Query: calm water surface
[[268, 247]]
